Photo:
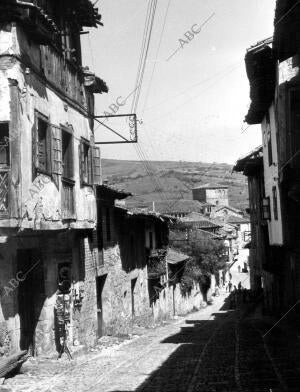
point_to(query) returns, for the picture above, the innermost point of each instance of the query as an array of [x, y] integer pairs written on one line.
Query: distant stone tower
[[214, 194]]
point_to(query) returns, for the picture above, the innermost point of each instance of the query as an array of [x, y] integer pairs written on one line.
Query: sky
[[194, 107]]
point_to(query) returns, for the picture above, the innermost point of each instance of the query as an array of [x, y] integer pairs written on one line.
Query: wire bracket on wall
[[126, 125]]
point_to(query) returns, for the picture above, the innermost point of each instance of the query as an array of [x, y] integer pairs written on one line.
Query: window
[[67, 154], [41, 144], [4, 169], [266, 213], [90, 164], [4, 145], [275, 202], [68, 203], [85, 163], [269, 139]]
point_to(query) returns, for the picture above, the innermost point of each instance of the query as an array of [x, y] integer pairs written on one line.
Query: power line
[[156, 57], [191, 99], [286, 14], [230, 69], [139, 80], [144, 52]]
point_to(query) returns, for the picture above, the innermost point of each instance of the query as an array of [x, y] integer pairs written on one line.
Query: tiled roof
[[211, 186], [241, 164], [170, 206], [175, 257], [136, 212], [229, 208], [237, 219], [200, 221]]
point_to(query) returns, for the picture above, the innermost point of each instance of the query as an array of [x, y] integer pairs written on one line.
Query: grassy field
[[173, 180]]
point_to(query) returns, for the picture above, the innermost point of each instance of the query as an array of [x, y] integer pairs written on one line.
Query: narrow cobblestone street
[[211, 350]]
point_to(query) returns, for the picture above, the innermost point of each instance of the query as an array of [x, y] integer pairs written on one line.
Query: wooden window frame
[[6, 145], [37, 170], [265, 208], [70, 214], [269, 139], [89, 165], [70, 133], [5, 174]]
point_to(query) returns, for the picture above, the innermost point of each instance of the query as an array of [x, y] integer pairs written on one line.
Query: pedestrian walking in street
[[229, 286]]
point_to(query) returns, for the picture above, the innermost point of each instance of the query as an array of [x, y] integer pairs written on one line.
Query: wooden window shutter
[[81, 161], [56, 154], [96, 166], [35, 150], [90, 166]]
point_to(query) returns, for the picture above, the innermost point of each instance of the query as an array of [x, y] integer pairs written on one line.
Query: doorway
[[133, 283], [31, 295], [100, 282]]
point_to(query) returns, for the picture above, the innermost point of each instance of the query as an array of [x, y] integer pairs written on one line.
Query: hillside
[[173, 180]]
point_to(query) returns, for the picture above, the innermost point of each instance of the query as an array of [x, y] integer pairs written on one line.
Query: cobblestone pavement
[[211, 351]]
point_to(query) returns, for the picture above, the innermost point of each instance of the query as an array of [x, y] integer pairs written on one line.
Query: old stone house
[[49, 167], [212, 194], [273, 71], [138, 280], [260, 258]]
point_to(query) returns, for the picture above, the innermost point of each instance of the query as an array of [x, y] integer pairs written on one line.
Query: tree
[[207, 257]]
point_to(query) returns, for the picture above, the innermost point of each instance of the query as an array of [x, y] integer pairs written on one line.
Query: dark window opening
[[4, 145], [275, 202], [43, 163], [70, 41], [67, 155], [86, 171]]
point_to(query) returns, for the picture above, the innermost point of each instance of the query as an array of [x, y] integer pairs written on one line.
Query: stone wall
[[172, 303], [125, 297]]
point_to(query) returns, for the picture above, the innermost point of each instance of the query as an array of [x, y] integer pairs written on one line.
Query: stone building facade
[[49, 167], [273, 71], [212, 194]]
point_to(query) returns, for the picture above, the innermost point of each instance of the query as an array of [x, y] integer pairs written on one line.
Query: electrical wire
[[148, 29], [191, 99], [286, 14], [156, 57], [144, 53]]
